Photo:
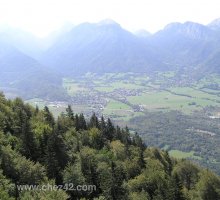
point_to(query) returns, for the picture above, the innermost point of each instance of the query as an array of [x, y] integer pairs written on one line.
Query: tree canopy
[[36, 149]]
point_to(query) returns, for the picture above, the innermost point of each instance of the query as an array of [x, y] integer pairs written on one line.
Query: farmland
[[182, 154], [179, 115], [124, 95]]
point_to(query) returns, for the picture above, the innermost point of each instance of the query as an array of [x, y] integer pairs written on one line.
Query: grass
[[181, 154], [119, 111], [57, 109], [104, 89], [123, 84], [37, 102], [163, 100], [211, 91], [117, 108], [194, 93], [149, 96], [126, 85], [72, 87], [117, 105], [130, 116]]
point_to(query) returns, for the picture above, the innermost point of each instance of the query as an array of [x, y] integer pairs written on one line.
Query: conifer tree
[[82, 122], [77, 125], [176, 188], [110, 130], [94, 122], [48, 116], [70, 113]]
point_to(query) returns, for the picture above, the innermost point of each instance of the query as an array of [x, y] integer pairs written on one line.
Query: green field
[[184, 99], [37, 102], [181, 154], [117, 105], [125, 95], [127, 98], [103, 87], [195, 93], [117, 109], [72, 87], [163, 101]]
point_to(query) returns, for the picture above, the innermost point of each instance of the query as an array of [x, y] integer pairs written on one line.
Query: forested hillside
[[36, 148]]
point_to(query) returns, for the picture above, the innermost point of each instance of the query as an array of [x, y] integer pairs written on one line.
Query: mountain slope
[[102, 47], [29, 44], [215, 24], [187, 44], [106, 47], [25, 76], [190, 48], [22, 40], [107, 161]]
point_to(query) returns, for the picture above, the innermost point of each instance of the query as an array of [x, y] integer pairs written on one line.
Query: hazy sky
[[43, 16]]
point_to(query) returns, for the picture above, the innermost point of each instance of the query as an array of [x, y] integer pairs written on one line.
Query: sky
[[44, 16]]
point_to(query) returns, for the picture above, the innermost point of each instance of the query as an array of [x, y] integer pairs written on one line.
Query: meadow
[[126, 95], [129, 98]]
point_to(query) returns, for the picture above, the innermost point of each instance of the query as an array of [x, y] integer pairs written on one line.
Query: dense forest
[[37, 149], [197, 132]]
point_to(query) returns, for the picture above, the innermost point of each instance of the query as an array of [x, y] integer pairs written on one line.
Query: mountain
[[23, 75], [188, 44], [54, 36], [189, 48], [24, 41], [107, 47], [30, 44], [142, 33], [215, 24], [212, 64], [101, 47]]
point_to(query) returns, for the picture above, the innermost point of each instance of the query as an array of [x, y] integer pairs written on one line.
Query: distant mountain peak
[[172, 25], [142, 33], [108, 22], [187, 24], [189, 29], [215, 24], [194, 25]]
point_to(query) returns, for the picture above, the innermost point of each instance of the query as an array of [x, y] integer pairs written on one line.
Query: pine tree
[[110, 130], [94, 122], [118, 176], [82, 122], [48, 116], [36, 110], [57, 157], [176, 189], [70, 113], [118, 134], [29, 146], [77, 125]]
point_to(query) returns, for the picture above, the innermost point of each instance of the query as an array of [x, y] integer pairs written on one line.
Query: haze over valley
[[103, 68]]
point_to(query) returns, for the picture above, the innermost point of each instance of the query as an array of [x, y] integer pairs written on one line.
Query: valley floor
[[127, 97]]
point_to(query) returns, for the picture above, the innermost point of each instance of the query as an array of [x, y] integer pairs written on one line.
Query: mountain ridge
[[88, 45], [107, 47]]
